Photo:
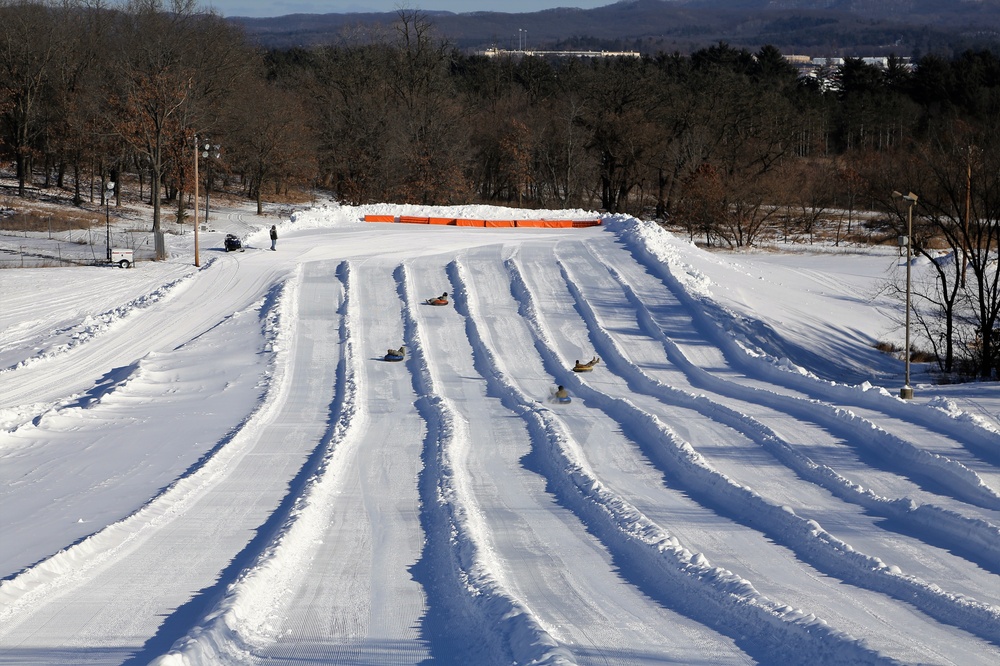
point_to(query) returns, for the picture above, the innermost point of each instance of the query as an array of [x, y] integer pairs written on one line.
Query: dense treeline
[[726, 143]]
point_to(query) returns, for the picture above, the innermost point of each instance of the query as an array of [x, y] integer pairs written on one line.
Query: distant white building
[[808, 66], [827, 62], [494, 52]]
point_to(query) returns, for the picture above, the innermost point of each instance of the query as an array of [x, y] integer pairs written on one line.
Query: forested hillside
[[813, 27], [728, 144]]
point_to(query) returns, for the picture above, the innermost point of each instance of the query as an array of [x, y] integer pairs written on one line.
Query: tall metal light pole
[[109, 191], [212, 151], [906, 393], [196, 151]]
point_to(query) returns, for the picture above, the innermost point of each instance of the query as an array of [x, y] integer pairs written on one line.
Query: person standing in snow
[[274, 237]]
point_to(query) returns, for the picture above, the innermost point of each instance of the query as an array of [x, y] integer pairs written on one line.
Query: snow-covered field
[[215, 465]]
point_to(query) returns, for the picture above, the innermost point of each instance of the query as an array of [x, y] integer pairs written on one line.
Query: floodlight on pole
[[906, 392]]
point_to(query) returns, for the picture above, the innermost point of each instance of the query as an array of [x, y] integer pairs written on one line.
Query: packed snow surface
[[218, 465]]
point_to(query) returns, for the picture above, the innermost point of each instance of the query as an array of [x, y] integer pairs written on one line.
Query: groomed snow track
[[700, 501]]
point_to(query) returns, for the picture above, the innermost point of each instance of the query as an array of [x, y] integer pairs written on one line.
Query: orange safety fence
[[493, 224], [546, 224]]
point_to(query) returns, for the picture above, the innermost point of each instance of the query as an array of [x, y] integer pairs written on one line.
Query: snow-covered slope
[[216, 465]]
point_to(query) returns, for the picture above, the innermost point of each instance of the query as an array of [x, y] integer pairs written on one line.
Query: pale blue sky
[[258, 8]]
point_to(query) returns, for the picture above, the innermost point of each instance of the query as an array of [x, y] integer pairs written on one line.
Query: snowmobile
[[233, 243]]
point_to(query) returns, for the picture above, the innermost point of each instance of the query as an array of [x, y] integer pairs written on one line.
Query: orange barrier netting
[[545, 224], [492, 224]]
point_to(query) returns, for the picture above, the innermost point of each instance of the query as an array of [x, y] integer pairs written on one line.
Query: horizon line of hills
[[809, 27]]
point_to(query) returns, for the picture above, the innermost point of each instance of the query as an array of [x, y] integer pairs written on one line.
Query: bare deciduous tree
[[270, 138], [30, 42]]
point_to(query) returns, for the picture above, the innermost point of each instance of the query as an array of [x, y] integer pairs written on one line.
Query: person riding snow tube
[[440, 300], [586, 367], [562, 395], [395, 354]]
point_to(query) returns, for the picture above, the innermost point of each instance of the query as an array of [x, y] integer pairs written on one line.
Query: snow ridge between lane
[[805, 537], [490, 607], [74, 563], [712, 595], [93, 325], [244, 620], [87, 330], [650, 246], [950, 525]]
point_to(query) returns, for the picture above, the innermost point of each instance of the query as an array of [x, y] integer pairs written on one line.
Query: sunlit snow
[[216, 465]]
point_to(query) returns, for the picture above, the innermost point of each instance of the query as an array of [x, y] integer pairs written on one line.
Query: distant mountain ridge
[[817, 27]]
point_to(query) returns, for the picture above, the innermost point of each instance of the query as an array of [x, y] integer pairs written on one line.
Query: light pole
[[906, 393], [196, 151], [209, 151], [109, 191]]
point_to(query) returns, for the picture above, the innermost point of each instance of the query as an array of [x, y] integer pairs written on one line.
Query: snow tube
[[436, 301], [564, 401], [393, 357], [583, 368]]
